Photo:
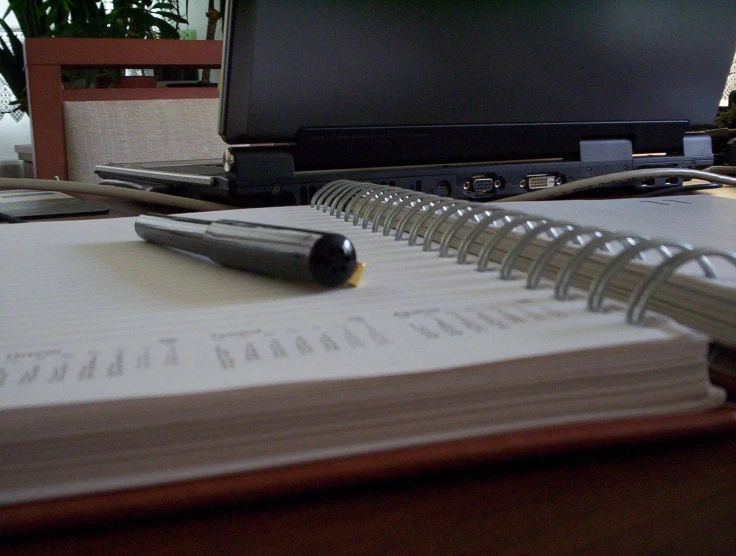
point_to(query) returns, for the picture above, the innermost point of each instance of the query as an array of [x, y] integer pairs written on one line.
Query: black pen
[[323, 258]]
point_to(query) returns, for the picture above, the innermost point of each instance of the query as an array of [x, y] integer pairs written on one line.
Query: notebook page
[[88, 311], [700, 220]]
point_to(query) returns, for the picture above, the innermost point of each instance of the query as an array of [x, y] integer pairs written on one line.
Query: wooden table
[[672, 498]]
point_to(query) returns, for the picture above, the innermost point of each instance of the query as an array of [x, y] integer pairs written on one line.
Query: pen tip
[[354, 280]]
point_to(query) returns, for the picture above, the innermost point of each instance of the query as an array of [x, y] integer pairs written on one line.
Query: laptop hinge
[[259, 165], [697, 146]]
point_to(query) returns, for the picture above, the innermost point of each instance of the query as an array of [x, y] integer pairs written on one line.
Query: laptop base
[[256, 176], [267, 175]]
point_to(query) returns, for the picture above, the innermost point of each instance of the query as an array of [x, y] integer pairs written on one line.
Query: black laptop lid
[[368, 83]]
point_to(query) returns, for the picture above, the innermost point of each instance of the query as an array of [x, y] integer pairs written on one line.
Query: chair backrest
[[74, 129], [102, 132]]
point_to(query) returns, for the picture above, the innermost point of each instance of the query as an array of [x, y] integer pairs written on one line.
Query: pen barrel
[[186, 234], [324, 258]]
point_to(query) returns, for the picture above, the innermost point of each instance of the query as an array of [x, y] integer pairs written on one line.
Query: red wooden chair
[[45, 59]]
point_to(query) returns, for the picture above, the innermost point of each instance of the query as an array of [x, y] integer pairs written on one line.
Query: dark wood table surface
[[669, 498]]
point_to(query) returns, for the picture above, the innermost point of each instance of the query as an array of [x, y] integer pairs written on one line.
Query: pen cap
[[324, 258], [332, 260]]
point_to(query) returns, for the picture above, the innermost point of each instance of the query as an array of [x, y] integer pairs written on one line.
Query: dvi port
[[542, 181]]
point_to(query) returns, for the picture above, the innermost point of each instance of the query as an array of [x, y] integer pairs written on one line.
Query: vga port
[[482, 184], [542, 181], [487, 184]]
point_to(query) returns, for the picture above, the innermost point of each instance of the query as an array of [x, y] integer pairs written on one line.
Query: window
[[6, 97]]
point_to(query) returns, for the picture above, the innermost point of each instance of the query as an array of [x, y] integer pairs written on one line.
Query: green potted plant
[[142, 19]]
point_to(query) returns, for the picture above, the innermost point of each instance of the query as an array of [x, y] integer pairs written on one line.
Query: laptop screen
[[378, 82]]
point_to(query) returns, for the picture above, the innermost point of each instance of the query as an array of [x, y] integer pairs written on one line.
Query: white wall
[[198, 18], [12, 133]]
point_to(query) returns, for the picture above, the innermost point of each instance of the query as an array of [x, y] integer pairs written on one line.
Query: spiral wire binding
[[646, 289], [496, 215], [534, 274], [598, 288], [567, 272], [460, 221], [446, 204], [377, 203], [509, 261], [349, 207], [405, 201], [502, 232], [440, 220], [381, 205]]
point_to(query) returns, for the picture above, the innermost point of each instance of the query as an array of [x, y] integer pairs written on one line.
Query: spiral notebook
[[126, 365]]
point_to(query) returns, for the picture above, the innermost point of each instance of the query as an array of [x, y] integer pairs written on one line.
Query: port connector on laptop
[[541, 181], [484, 185]]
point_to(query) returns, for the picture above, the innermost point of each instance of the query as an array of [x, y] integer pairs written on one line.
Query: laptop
[[473, 100]]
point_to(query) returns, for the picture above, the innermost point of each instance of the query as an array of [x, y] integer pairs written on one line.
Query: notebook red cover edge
[[351, 470]]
